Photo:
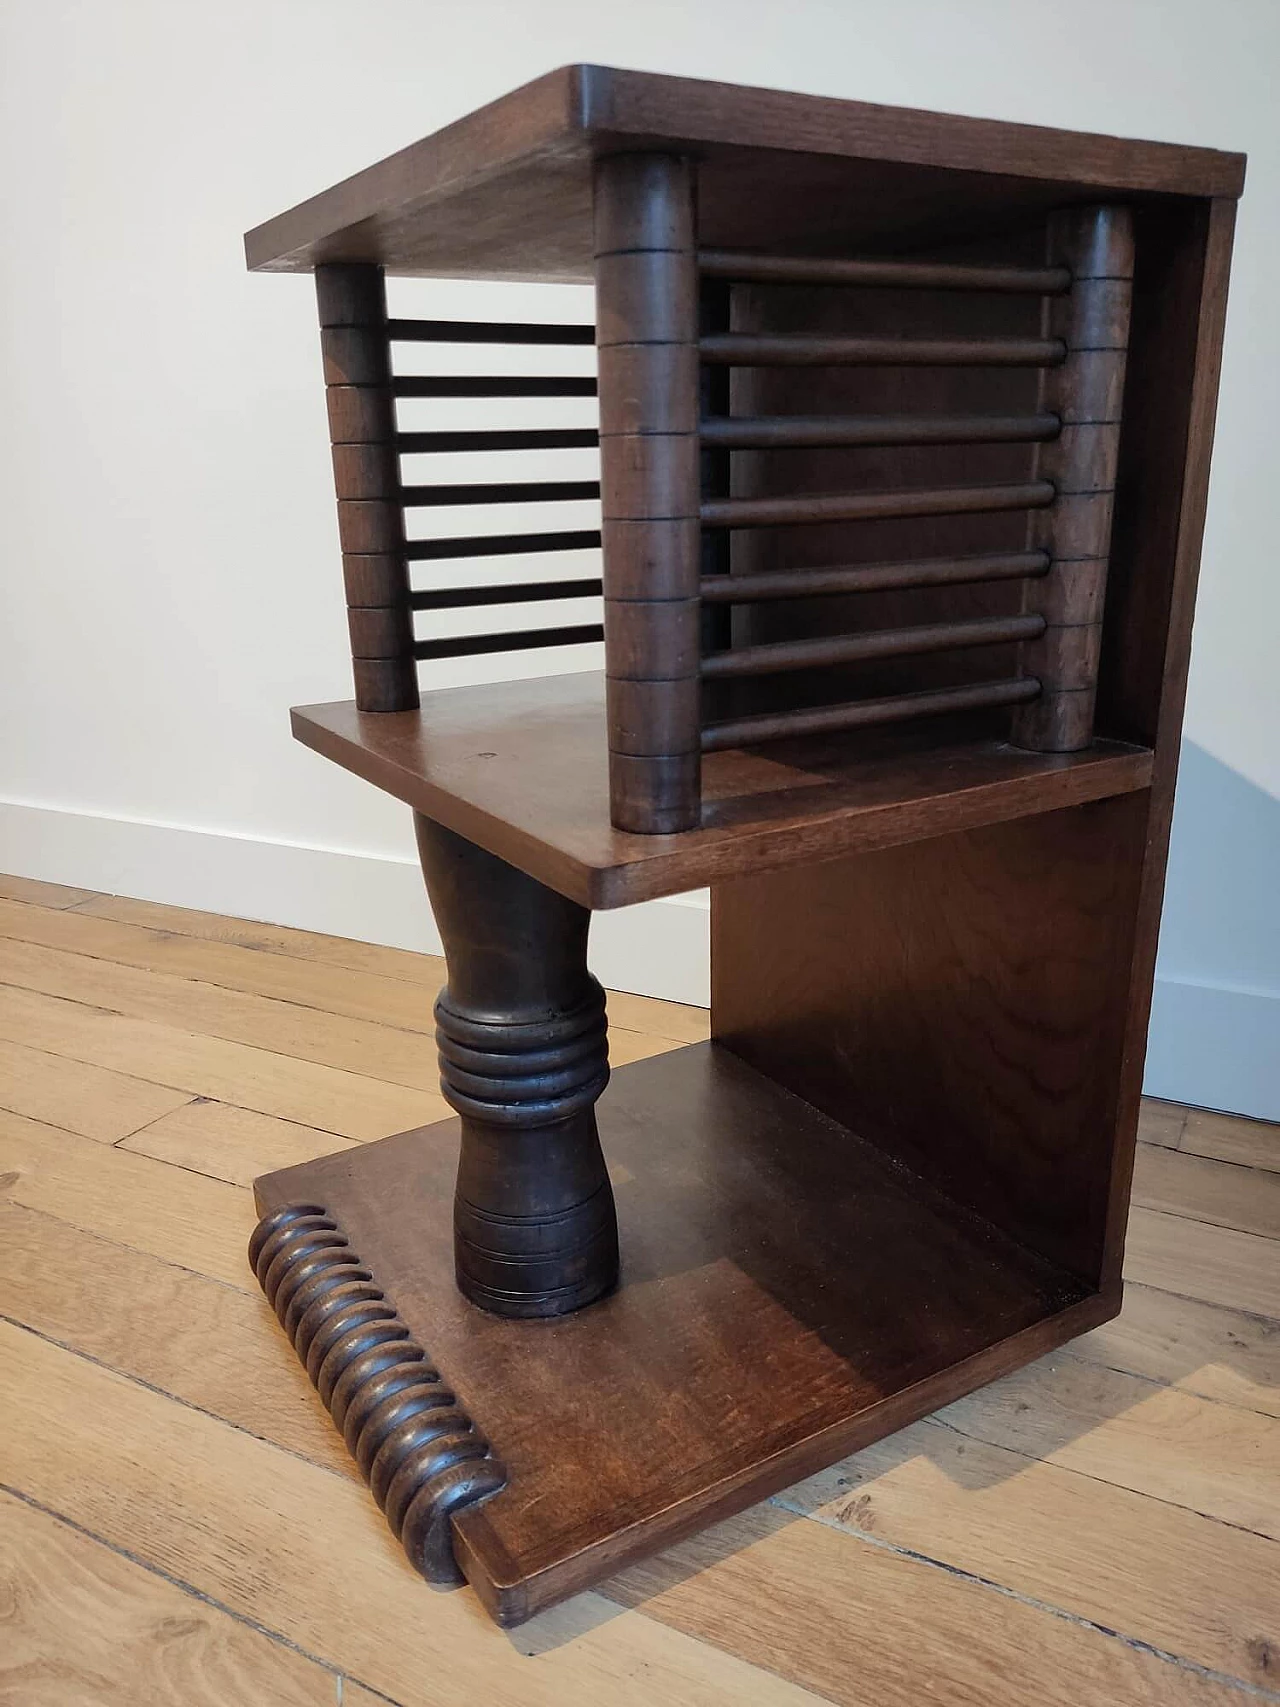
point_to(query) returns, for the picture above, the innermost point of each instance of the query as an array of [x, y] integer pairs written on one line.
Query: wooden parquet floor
[[1102, 1528]]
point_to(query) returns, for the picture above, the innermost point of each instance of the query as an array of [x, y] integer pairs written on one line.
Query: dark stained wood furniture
[[904, 425]]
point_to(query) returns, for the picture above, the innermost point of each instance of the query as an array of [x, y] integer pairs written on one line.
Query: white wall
[[171, 581]]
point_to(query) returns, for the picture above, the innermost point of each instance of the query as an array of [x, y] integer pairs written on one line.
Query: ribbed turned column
[[1086, 392], [523, 1057], [647, 332]]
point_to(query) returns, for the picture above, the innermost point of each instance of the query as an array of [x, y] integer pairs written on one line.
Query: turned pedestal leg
[[523, 1058]]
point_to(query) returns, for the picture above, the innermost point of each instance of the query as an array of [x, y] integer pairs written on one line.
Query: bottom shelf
[[788, 1294]]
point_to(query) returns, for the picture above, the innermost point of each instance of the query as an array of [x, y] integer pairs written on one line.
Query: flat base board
[[788, 1294]]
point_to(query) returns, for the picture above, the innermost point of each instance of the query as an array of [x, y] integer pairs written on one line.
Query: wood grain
[[1220, 1353], [42, 894], [232, 1144], [1216, 1264], [1173, 1446], [1227, 1194], [313, 1095], [91, 1101], [270, 1561], [1063, 1539], [1250, 1143], [125, 1636]]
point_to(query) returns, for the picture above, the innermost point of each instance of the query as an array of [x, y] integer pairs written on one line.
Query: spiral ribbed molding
[[419, 1451], [511, 1074]]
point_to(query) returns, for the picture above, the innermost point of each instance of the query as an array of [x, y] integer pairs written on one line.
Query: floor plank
[[870, 1627], [139, 1471], [646, 1014], [378, 1050], [1066, 1540], [209, 1345], [1222, 1354], [83, 1624], [1224, 1193], [233, 1144], [1216, 1264], [91, 1101], [1209, 1458], [195, 1222], [41, 894], [313, 1095], [1227, 1138]]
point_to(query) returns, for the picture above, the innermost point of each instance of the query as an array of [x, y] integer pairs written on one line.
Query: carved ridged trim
[[417, 1448], [516, 1074]]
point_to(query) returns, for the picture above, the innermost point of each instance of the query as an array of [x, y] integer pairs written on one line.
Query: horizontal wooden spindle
[[781, 432], [520, 438], [866, 713], [511, 593], [872, 577], [500, 492], [492, 385], [882, 643], [875, 506], [486, 332], [752, 349], [519, 640], [501, 545], [906, 275]]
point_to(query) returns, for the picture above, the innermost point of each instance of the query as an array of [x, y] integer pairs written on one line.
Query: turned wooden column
[[646, 273], [523, 1057], [1086, 392]]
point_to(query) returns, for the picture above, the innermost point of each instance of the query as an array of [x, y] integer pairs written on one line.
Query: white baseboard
[[1215, 1047], [1211, 1046], [659, 948]]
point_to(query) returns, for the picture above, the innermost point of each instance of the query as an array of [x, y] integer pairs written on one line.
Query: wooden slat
[[91, 1101], [1223, 1193], [513, 593], [501, 545], [753, 349], [210, 1345], [83, 1624], [780, 432], [746, 268], [874, 643], [487, 332], [345, 1103], [197, 1223], [232, 1144], [1208, 1349], [871, 577], [1214, 1263], [144, 1473], [1161, 1122], [1062, 1539], [1252, 1143], [1154, 1440], [518, 640], [499, 492], [497, 438], [492, 385], [875, 506], [860, 714]]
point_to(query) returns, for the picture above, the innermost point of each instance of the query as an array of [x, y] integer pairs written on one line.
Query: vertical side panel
[[647, 333], [960, 1002], [1181, 275]]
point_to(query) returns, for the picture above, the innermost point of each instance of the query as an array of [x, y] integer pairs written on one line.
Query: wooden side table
[[904, 437]]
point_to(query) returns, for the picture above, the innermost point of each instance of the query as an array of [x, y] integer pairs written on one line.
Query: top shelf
[[521, 768], [506, 191]]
